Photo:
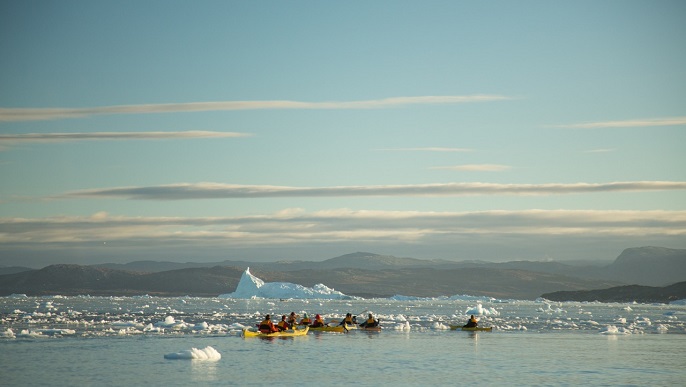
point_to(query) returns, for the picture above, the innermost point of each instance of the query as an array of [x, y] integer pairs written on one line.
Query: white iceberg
[[252, 287], [208, 354]]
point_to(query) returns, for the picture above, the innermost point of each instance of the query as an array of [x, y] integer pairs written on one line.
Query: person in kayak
[[370, 323], [348, 320], [306, 320], [472, 323], [318, 322], [283, 324], [292, 319], [267, 326]]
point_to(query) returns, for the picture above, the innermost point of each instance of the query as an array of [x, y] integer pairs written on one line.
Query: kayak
[[336, 328], [370, 329], [461, 328], [249, 332]]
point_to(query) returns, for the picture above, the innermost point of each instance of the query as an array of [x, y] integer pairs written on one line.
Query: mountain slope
[[627, 293]]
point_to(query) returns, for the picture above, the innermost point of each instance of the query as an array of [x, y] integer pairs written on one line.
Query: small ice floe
[[152, 329], [402, 326], [645, 321], [613, 330], [7, 334], [481, 311], [661, 328], [203, 326], [170, 322], [207, 354], [127, 324], [440, 326]]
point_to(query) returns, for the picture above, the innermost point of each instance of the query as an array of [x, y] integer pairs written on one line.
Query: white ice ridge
[[208, 354], [252, 287]]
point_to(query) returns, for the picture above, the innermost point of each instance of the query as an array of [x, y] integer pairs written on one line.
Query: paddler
[[293, 319], [306, 320], [267, 326], [318, 322], [348, 320], [283, 324], [472, 323], [370, 323]]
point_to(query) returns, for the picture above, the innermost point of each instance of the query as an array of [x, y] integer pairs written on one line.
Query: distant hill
[[360, 274], [420, 282], [13, 269], [86, 280], [628, 293], [653, 266]]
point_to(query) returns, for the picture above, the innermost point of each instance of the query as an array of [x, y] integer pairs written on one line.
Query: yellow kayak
[[336, 328], [461, 328], [249, 332]]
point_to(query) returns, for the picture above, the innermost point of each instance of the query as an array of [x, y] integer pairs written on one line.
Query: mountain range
[[360, 274]]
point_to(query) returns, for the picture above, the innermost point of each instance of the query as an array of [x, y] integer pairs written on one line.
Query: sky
[[304, 130]]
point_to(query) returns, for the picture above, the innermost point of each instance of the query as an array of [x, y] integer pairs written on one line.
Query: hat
[[304, 315], [267, 317], [317, 316]]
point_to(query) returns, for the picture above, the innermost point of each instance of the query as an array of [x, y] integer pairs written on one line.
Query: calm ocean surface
[[95, 341]]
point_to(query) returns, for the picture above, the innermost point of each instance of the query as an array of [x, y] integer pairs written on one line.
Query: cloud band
[[33, 114], [234, 191]]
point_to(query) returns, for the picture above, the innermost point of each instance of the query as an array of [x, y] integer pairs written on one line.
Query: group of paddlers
[[291, 321]]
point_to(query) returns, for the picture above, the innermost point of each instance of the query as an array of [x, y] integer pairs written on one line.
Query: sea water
[[124, 341]]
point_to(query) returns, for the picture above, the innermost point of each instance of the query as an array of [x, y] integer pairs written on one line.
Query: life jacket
[[306, 321], [348, 320], [283, 325], [318, 323], [266, 326]]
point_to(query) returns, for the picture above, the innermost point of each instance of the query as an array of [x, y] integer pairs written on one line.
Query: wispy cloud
[[33, 114], [426, 149], [231, 191], [8, 139], [299, 226], [476, 167], [670, 121]]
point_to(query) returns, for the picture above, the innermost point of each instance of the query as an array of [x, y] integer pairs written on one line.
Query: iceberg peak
[[250, 286]]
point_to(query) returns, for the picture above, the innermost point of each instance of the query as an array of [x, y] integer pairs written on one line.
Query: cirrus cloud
[[669, 121], [6, 139], [33, 114], [299, 226], [187, 191]]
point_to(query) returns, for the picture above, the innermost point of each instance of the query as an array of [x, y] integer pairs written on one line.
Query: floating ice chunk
[[207, 354], [127, 324], [203, 326], [7, 334], [440, 326], [481, 311], [152, 329], [402, 327], [613, 330], [661, 328]]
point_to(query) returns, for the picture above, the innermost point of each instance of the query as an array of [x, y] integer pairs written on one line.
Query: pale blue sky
[[305, 130]]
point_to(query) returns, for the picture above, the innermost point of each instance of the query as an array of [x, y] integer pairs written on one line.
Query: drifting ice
[[252, 287]]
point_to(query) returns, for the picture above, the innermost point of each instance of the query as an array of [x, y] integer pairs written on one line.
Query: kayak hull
[[471, 329], [338, 328], [247, 332]]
